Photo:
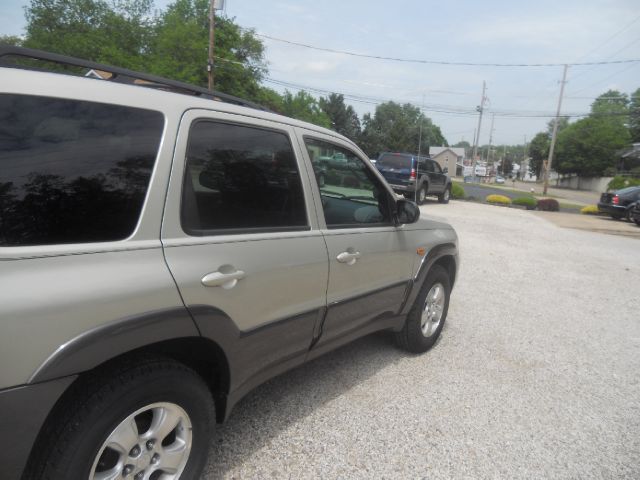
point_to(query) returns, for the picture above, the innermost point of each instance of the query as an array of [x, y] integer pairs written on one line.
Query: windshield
[[394, 160]]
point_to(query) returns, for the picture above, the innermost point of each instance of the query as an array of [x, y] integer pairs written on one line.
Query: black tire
[[411, 336], [422, 195], [627, 216], [94, 407], [445, 196]]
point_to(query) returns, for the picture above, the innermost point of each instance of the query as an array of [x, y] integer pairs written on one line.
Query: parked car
[[164, 253], [499, 179], [415, 177], [634, 212], [617, 204]]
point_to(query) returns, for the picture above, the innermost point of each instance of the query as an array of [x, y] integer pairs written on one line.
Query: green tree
[[590, 146], [114, 33], [539, 152], [343, 118], [173, 43], [304, 106], [180, 45], [13, 40], [396, 128]]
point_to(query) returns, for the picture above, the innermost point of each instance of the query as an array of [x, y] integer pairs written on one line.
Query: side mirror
[[445, 169], [406, 211]]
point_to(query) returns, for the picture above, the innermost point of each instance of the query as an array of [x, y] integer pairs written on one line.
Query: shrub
[[457, 191], [528, 202], [619, 182], [548, 205], [590, 210], [498, 199]]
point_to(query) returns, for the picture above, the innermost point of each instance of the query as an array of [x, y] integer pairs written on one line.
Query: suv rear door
[[437, 179], [369, 258], [241, 239]]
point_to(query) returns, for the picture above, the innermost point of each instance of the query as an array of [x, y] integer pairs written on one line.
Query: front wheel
[[426, 318], [148, 420], [445, 196]]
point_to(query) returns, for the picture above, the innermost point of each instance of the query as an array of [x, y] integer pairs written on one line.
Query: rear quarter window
[[73, 171]]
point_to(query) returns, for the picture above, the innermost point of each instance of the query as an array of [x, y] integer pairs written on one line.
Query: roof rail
[[120, 75]]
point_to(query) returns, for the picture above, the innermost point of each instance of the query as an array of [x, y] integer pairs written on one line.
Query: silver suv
[[164, 253]]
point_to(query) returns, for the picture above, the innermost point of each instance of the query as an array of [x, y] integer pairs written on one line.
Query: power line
[[453, 110], [615, 35], [437, 62]]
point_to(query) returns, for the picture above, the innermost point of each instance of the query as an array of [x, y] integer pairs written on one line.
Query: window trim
[[342, 226], [213, 232]]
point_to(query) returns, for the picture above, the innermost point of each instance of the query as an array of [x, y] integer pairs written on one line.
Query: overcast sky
[[491, 31]]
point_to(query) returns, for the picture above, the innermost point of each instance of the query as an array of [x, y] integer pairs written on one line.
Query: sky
[[490, 31]]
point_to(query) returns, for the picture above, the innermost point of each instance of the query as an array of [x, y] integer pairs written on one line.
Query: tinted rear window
[[391, 160], [626, 191], [73, 171]]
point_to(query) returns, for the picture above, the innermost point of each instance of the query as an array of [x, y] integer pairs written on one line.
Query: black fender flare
[[431, 258], [104, 342]]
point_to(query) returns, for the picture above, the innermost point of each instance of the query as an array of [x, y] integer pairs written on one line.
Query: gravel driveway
[[536, 375]]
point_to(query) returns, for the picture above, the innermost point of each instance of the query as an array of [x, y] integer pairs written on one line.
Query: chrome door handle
[[224, 280], [348, 257]]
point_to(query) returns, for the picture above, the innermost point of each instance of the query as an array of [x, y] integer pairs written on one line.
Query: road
[[579, 197], [536, 375]]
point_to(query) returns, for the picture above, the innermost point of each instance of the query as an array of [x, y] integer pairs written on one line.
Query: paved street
[[536, 375]]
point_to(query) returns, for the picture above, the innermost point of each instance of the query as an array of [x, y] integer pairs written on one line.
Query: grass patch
[[457, 191]]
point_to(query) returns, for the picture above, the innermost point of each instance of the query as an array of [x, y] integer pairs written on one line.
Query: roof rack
[[120, 75]]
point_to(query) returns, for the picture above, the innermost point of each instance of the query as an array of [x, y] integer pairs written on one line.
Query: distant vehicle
[[634, 212], [415, 177], [373, 160], [499, 179], [617, 204]]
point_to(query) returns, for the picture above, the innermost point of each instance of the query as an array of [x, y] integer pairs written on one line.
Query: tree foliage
[[396, 128], [591, 146], [343, 118], [539, 152], [634, 116], [304, 106]]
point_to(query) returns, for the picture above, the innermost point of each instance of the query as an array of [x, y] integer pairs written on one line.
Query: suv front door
[[369, 261], [240, 237]]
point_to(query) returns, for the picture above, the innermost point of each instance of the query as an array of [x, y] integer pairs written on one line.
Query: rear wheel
[[147, 420], [445, 196], [426, 318], [422, 195]]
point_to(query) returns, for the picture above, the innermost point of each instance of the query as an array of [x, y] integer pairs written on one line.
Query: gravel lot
[[536, 375]]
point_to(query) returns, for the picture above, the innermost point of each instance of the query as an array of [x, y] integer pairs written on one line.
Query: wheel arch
[[444, 255]]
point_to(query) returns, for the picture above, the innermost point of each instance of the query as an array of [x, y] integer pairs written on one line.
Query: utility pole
[[524, 159], [415, 193], [477, 139], [547, 168], [493, 117], [212, 23]]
